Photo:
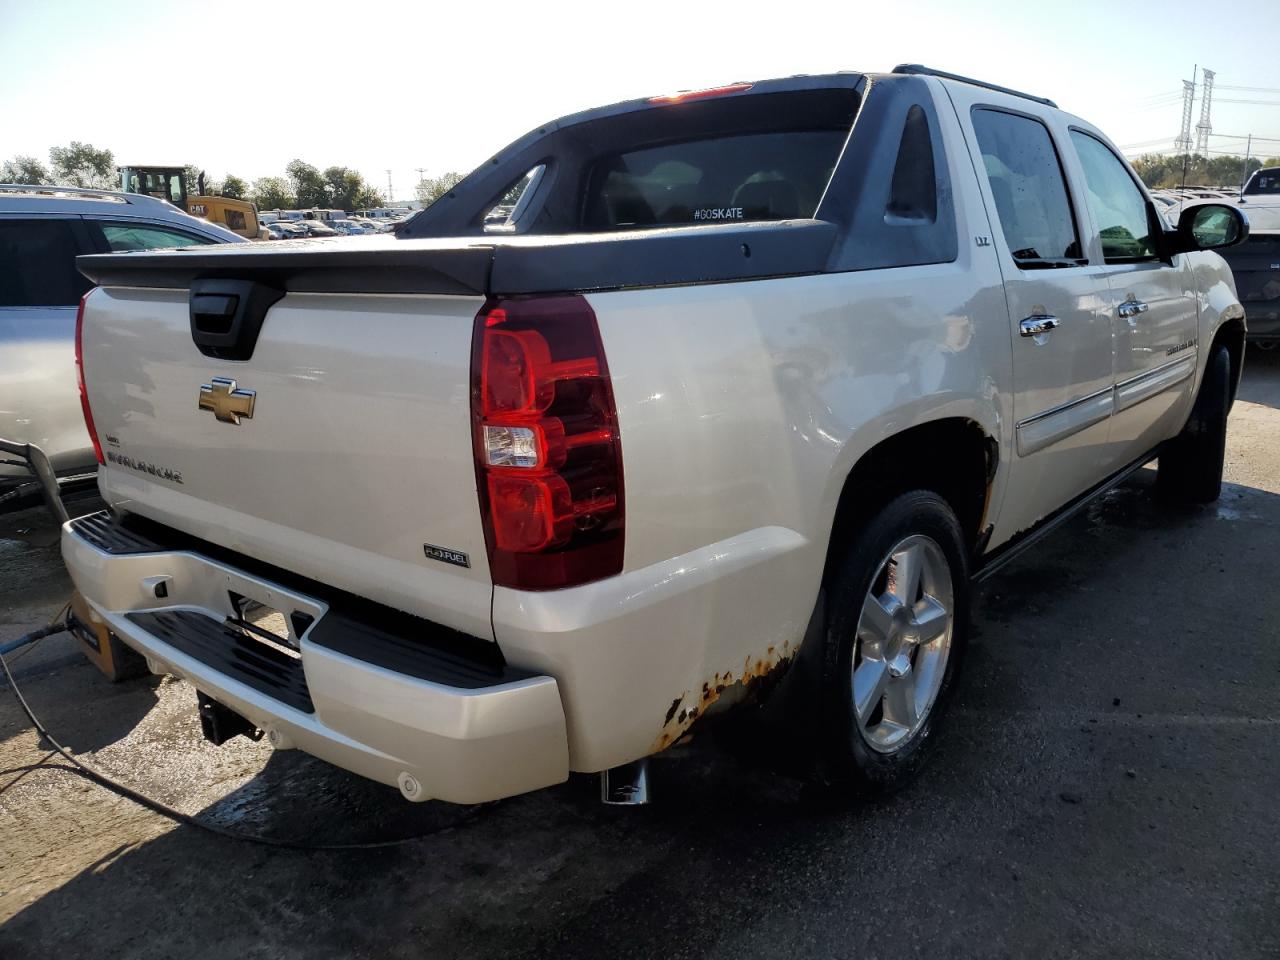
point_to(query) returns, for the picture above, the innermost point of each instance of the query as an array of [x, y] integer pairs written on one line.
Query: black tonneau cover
[[488, 265]]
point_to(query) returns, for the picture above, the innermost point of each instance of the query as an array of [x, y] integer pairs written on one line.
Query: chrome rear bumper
[[377, 692]]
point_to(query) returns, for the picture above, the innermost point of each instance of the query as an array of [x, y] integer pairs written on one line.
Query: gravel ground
[[1106, 787]]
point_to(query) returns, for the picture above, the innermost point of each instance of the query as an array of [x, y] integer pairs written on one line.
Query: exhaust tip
[[627, 785]]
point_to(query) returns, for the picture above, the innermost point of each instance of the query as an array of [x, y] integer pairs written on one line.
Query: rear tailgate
[[356, 467]]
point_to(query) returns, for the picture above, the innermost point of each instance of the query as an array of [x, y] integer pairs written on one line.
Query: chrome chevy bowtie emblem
[[227, 402]]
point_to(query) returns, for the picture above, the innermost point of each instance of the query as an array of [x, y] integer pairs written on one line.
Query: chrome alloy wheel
[[903, 641]]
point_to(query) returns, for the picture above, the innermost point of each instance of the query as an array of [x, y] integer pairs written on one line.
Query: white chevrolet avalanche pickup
[[713, 403]]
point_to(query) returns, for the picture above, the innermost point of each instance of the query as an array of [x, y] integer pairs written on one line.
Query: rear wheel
[[896, 630], [1190, 467]]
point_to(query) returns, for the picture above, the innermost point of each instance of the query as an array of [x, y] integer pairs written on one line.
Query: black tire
[[1190, 468], [848, 759]]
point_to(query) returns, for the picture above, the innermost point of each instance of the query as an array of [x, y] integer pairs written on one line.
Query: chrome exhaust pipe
[[627, 785]]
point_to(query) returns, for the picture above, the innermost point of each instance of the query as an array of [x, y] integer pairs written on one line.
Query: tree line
[[1165, 171], [303, 185]]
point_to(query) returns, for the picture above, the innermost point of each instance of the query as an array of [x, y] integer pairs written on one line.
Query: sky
[[244, 87]]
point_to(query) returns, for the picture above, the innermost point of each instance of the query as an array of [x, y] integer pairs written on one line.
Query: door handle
[[1131, 308], [1035, 325]]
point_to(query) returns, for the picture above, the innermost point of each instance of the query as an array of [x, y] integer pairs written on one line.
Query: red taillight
[[84, 396], [548, 457]]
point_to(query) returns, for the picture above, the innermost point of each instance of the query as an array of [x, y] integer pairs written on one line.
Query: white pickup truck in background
[[706, 401]]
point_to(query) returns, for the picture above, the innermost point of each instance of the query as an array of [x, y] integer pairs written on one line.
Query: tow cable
[[38, 463]]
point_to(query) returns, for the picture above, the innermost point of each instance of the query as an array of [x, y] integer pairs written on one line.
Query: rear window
[[1265, 181], [756, 176], [760, 156]]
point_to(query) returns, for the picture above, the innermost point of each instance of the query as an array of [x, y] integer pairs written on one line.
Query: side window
[[38, 264], [503, 215], [1029, 189], [913, 192], [124, 237], [1116, 203]]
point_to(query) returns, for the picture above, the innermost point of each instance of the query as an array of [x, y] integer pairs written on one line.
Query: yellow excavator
[[170, 183]]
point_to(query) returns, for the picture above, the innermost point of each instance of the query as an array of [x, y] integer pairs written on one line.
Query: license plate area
[[267, 624]]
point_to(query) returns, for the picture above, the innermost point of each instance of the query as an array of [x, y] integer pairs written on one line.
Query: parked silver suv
[[42, 231]]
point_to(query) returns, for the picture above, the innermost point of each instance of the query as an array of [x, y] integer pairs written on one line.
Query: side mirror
[[1209, 226]]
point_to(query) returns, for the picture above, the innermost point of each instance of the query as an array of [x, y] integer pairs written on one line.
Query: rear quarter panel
[[742, 408], [746, 405]]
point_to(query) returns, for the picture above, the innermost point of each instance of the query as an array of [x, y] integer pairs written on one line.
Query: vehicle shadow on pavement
[[88, 713], [1261, 380], [1100, 789]]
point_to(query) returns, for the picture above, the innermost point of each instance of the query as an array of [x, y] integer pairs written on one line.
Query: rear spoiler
[[369, 265], [475, 266]]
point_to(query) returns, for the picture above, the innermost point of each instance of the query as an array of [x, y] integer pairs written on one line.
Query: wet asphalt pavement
[[1107, 786]]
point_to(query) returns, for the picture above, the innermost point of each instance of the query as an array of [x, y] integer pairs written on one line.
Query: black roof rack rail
[[922, 70]]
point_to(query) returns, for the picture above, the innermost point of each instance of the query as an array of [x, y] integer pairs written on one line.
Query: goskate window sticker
[[718, 213]]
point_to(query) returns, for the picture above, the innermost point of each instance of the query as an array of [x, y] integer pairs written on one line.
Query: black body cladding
[[888, 203]]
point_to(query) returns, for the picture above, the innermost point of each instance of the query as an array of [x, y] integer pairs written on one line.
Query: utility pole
[[421, 171], [390, 192], [1244, 174], [1183, 141], [1188, 94], [1204, 128]]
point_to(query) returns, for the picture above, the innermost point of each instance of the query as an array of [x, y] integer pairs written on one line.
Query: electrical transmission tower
[[1183, 143], [1204, 128]]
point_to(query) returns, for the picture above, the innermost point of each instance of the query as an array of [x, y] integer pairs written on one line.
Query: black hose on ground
[[156, 806], [32, 637]]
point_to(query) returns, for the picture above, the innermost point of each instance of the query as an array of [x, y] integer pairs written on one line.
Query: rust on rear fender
[[757, 676]]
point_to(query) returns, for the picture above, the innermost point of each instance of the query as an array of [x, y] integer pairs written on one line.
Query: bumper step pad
[[253, 662], [353, 626], [105, 533]]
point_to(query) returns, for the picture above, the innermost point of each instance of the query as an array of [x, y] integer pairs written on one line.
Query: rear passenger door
[[1152, 303], [1060, 324], [40, 289]]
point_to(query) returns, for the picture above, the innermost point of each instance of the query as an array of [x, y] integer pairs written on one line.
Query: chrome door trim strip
[[1058, 423], [1133, 391]]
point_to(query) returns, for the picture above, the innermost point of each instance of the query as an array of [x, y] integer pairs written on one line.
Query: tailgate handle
[[213, 313], [227, 316]]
